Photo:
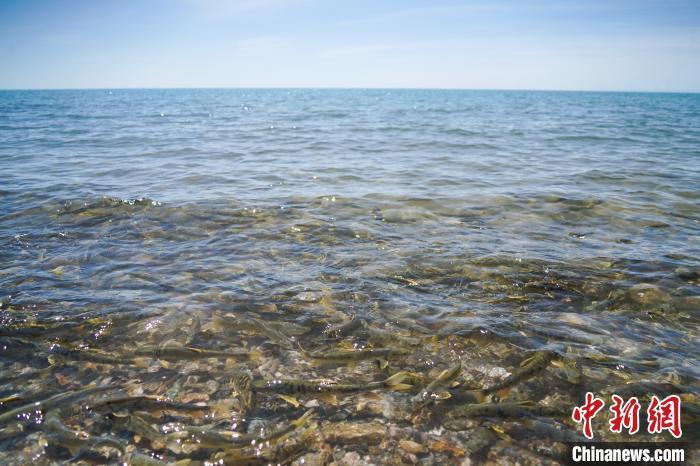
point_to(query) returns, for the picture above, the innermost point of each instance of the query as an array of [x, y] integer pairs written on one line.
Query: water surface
[[488, 225]]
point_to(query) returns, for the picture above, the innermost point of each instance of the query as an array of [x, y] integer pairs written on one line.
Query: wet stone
[[646, 294], [350, 458], [314, 459], [442, 445], [348, 433], [687, 273], [409, 446], [309, 296], [688, 303]]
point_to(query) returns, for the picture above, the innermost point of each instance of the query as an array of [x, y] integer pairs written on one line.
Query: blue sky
[[511, 44]]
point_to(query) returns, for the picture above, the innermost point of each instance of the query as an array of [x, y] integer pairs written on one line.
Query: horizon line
[[628, 91]]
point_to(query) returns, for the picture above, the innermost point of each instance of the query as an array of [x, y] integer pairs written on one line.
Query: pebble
[[381, 407], [313, 459], [647, 294], [350, 458], [688, 303], [211, 387], [687, 273], [309, 296], [444, 446], [311, 403], [368, 433], [409, 446]]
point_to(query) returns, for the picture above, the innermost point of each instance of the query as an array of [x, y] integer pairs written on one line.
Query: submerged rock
[[687, 273], [319, 458], [367, 433], [309, 296], [350, 458], [646, 294], [687, 303], [409, 446]]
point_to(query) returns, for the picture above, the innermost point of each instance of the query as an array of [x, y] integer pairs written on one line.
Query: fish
[[642, 388], [529, 367], [353, 355], [10, 399], [343, 329], [78, 440], [138, 426], [508, 410], [225, 439], [27, 330], [537, 429], [291, 400], [383, 336], [36, 374], [569, 336], [179, 353], [6, 302], [416, 378], [59, 353], [144, 403], [20, 413], [284, 453], [288, 328], [430, 391], [40, 329], [176, 386], [139, 459], [292, 386], [261, 327], [612, 361], [242, 383], [573, 372], [194, 330]]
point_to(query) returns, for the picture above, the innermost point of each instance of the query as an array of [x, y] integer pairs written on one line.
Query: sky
[[633, 45]]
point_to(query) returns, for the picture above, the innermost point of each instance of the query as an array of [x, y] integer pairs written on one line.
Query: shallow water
[[485, 224]]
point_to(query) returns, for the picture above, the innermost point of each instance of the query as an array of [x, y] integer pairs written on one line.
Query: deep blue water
[[265, 145]]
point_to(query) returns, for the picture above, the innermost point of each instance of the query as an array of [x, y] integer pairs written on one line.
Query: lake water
[[472, 226]]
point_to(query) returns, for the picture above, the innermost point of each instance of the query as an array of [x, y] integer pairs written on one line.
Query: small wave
[[77, 207], [462, 132], [593, 138]]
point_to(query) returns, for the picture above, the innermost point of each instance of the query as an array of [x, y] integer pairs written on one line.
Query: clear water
[[554, 221]]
